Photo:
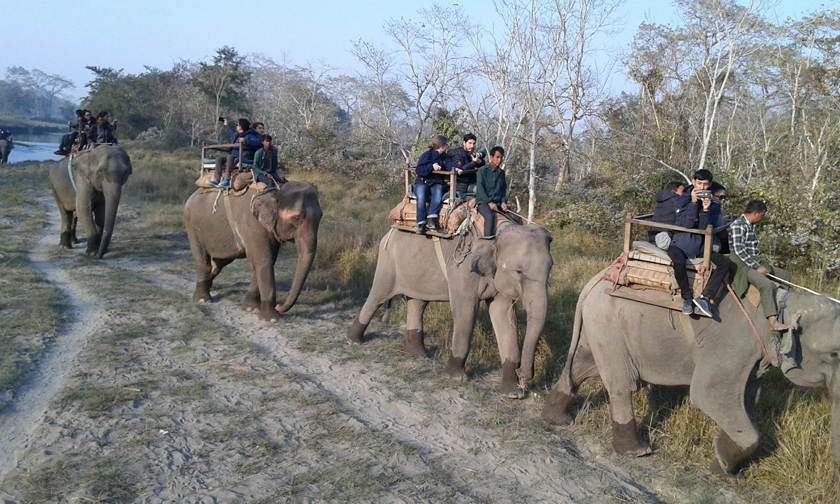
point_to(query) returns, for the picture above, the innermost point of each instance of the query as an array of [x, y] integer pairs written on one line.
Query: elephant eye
[[834, 355]]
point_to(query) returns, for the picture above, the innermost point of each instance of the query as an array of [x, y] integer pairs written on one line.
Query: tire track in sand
[[84, 316]]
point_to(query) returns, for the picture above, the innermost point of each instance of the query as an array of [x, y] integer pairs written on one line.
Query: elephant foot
[[413, 343], [356, 332], [202, 292], [64, 241], [455, 368], [251, 304], [268, 313], [626, 442], [728, 455], [556, 407], [510, 381]]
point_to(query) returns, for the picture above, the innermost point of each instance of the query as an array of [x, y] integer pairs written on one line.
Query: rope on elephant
[[619, 263], [755, 331], [70, 171], [465, 243], [216, 202], [440, 258], [388, 238]]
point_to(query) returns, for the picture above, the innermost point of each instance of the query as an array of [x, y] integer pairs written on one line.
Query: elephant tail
[[578, 327], [386, 317]]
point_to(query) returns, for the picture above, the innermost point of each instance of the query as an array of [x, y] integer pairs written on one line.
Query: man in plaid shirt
[[752, 267]]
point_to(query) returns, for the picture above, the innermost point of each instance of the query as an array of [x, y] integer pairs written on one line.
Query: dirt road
[[147, 397]]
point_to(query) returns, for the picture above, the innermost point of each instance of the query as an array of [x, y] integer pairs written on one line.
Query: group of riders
[[486, 182], [87, 133], [257, 152], [697, 206]]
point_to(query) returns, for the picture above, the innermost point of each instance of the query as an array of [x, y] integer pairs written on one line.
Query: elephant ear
[[484, 261], [789, 351], [265, 209]]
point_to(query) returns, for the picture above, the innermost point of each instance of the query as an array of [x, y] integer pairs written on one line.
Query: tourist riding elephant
[[6, 147], [222, 228], [628, 342], [513, 267], [89, 188]]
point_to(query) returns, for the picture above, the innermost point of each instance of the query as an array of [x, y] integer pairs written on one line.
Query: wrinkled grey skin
[[513, 267], [6, 147], [627, 342], [254, 230], [99, 175]]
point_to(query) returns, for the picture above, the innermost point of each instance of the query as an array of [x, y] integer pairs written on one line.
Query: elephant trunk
[[535, 302], [307, 245], [112, 193]]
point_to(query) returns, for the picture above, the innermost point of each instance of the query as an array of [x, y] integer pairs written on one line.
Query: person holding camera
[[248, 140], [465, 158], [694, 210]]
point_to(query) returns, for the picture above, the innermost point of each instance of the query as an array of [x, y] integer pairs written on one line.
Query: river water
[[35, 148]]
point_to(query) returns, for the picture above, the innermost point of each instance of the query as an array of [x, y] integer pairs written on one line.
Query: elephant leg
[[576, 371], [413, 342], [252, 297], [267, 287], [216, 266], [380, 292], [84, 210], [98, 219], [718, 397], [75, 221], [625, 437], [203, 278], [65, 240], [463, 317], [503, 317]]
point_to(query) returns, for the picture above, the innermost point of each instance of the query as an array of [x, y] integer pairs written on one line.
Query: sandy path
[[85, 315]]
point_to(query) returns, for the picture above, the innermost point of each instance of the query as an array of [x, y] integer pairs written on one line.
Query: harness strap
[[70, 171], [388, 238], [755, 331], [441, 260]]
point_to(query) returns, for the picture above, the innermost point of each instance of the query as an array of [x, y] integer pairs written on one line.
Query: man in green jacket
[[751, 267], [491, 191]]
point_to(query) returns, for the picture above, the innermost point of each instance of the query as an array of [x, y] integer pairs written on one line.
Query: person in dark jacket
[[721, 238], [73, 131], [465, 158], [665, 213], [101, 132], [694, 211], [265, 165], [429, 186], [248, 141], [491, 191]]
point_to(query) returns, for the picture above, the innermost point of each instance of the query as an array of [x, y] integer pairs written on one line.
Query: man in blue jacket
[[694, 210], [248, 140]]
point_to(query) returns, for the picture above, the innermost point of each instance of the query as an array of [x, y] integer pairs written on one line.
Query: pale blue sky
[[129, 34]]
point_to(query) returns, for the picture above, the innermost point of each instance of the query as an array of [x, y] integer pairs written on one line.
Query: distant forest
[[34, 94]]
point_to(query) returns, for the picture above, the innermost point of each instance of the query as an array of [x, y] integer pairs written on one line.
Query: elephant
[[513, 266], [253, 225], [91, 193], [627, 342], [6, 147]]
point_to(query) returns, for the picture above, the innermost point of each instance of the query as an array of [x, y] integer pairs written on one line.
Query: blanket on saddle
[[647, 266], [241, 182], [451, 218]]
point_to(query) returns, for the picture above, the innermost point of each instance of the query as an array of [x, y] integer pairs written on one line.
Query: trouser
[[67, 140], [228, 160], [679, 258], [268, 180], [489, 219], [465, 184], [767, 288], [424, 193]]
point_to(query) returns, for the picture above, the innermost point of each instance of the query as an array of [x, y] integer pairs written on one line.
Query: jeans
[[720, 273], [422, 191]]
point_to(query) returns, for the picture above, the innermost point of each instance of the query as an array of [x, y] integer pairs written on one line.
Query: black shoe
[[704, 305], [421, 229], [431, 226], [688, 308]]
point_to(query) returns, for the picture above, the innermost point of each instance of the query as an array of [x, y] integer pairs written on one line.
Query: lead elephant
[[626, 342], [513, 267], [235, 227], [90, 187], [6, 147]]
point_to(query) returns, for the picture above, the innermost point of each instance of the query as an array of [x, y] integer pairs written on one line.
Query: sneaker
[[431, 226], [688, 308], [214, 183], [704, 306], [421, 228], [225, 184]]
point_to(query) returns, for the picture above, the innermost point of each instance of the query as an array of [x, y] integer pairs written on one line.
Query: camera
[[221, 119], [482, 154], [704, 194]]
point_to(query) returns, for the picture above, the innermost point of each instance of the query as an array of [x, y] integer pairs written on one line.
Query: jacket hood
[[665, 195]]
